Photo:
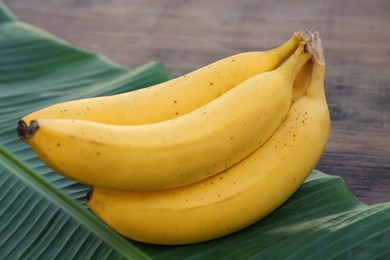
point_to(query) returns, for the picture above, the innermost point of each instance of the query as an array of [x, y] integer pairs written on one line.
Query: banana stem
[[310, 46], [293, 65], [287, 48], [316, 86], [314, 45]]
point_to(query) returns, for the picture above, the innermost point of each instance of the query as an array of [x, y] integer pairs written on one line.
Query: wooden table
[[186, 35]]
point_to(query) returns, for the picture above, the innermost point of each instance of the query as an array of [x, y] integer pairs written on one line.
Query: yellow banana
[[301, 82], [174, 152], [175, 97], [235, 198]]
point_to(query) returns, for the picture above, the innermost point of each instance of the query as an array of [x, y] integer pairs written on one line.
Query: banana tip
[[24, 131]]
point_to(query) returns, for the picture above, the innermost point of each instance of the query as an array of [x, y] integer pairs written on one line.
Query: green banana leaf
[[44, 216]]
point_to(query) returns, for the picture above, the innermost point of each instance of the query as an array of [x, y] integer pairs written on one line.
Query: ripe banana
[[301, 82], [175, 97], [174, 152], [235, 198]]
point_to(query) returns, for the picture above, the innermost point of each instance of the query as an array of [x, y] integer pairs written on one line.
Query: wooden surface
[[186, 35]]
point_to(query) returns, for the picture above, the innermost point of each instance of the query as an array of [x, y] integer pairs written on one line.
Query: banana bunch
[[197, 157], [158, 151]]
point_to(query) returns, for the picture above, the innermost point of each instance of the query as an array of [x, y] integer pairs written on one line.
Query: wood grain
[[366, 176], [186, 35]]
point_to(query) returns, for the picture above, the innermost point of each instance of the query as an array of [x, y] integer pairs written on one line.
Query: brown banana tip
[[21, 129], [24, 131], [89, 194]]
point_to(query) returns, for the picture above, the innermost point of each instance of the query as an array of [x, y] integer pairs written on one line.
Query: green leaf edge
[[86, 218], [5, 14], [117, 242]]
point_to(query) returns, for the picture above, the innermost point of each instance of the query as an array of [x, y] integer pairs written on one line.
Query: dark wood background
[[188, 34]]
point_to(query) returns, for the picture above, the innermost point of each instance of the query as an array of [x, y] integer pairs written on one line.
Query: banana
[[174, 152], [301, 82], [172, 98], [232, 199]]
